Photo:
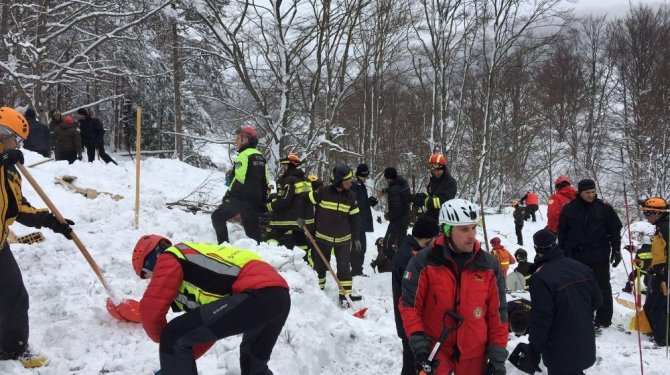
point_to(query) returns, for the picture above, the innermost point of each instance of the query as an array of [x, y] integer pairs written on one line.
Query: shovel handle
[[60, 218]]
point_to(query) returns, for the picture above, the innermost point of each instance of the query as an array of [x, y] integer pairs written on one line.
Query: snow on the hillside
[[70, 325]]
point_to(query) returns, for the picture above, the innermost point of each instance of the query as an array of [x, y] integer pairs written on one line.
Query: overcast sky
[[611, 7]]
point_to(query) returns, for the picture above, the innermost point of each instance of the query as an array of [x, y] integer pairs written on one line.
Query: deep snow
[[70, 325]]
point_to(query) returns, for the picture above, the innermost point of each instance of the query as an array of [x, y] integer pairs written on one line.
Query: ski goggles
[[6, 133], [434, 167]]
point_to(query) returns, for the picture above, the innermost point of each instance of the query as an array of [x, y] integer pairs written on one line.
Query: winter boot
[[30, 360], [628, 288], [354, 297]]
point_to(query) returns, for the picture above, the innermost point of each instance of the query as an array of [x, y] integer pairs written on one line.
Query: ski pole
[[630, 243]]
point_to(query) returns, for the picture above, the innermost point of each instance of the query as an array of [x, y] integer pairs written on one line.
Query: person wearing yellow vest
[[247, 192], [223, 290], [655, 210], [14, 326]]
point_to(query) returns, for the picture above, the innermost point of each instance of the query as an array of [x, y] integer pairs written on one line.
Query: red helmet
[[562, 179], [291, 159], [247, 130], [437, 158], [68, 120], [145, 246], [495, 241]]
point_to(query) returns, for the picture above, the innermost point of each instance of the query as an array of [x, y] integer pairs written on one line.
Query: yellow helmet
[[11, 119]]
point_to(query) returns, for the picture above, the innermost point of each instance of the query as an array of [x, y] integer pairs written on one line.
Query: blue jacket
[[565, 295]]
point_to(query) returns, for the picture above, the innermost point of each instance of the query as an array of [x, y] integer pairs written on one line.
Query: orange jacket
[[505, 258]]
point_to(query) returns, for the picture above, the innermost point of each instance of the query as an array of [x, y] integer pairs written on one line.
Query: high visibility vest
[[503, 258], [209, 273], [658, 250]]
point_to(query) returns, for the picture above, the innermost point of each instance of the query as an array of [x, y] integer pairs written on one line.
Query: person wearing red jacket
[[564, 194], [224, 291], [531, 201], [455, 288]]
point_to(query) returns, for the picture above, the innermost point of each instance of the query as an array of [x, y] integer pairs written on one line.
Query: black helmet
[[521, 254], [341, 172]]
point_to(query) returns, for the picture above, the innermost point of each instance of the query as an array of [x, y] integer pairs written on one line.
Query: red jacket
[[164, 285], [530, 198], [555, 205], [430, 288]]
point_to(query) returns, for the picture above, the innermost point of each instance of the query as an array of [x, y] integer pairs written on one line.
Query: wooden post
[[138, 138]]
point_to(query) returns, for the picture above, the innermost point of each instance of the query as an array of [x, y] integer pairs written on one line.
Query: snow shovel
[[357, 313], [125, 310], [639, 321]]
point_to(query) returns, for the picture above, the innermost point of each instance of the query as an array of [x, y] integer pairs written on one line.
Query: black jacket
[[291, 200], [399, 196], [439, 191], [565, 294], [336, 215], [408, 247], [92, 132], [518, 215], [361, 191], [589, 231], [38, 138], [250, 181]]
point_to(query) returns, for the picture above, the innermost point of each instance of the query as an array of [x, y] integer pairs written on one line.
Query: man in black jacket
[[288, 211], [564, 294], [398, 196], [38, 138], [92, 136], [441, 187], [590, 232], [424, 230], [364, 204], [247, 192]]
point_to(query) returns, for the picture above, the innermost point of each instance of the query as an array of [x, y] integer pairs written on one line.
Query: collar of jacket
[[555, 253]]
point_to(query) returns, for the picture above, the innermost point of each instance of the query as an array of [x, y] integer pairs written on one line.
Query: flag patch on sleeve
[[408, 275]]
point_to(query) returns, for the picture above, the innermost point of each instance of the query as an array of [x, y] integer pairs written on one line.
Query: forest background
[[513, 92]]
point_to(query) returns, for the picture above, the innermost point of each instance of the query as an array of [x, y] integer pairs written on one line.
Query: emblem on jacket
[[477, 313], [408, 275], [479, 277]]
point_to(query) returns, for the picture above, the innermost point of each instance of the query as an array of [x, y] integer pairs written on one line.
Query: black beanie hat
[[390, 173], [425, 227], [30, 113], [585, 184], [362, 170], [544, 240], [82, 111]]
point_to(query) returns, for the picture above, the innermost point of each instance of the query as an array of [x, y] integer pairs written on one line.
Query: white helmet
[[458, 212]]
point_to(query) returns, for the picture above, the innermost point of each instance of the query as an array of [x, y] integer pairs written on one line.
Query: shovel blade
[[128, 310], [360, 314]]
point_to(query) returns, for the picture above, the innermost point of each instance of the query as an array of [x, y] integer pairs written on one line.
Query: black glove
[[615, 259], [421, 346], [356, 247], [372, 201], [62, 228], [496, 355], [11, 157], [525, 359], [419, 199], [491, 369], [301, 222]]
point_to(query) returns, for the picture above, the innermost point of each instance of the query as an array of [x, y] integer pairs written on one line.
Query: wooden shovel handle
[[60, 218]]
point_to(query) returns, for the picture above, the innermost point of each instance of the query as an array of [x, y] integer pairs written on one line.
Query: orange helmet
[[291, 159], [514, 202], [654, 204], [437, 158], [12, 120], [495, 241], [146, 245]]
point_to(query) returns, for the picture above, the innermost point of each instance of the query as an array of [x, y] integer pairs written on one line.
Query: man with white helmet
[[453, 294]]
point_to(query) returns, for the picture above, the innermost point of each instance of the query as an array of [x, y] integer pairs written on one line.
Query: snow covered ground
[[70, 325]]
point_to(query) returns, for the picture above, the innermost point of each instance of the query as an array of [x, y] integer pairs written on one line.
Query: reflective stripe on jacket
[[13, 206], [336, 214]]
